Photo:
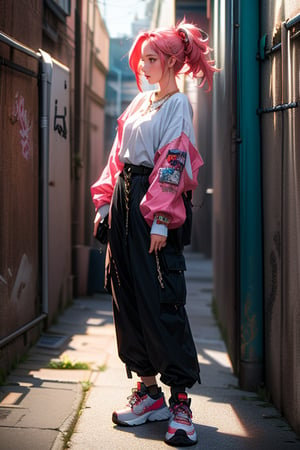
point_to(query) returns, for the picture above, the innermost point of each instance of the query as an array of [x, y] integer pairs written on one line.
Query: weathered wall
[[19, 179], [225, 178], [281, 207], [37, 26], [279, 52]]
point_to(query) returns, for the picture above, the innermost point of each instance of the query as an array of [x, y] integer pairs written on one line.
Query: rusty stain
[[249, 330]]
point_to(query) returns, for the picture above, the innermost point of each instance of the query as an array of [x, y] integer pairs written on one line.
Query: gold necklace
[[168, 94], [157, 104]]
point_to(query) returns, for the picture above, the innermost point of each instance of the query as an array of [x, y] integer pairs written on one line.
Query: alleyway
[[39, 405]]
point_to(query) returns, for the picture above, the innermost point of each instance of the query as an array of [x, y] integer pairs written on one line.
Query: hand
[[157, 242], [97, 220]]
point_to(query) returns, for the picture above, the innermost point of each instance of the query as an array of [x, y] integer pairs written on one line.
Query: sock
[[153, 391], [178, 395]]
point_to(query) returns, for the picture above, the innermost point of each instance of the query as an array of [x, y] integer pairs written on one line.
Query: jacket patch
[[160, 219], [169, 175], [176, 159]]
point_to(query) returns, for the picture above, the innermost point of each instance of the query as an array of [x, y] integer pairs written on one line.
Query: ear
[[171, 61]]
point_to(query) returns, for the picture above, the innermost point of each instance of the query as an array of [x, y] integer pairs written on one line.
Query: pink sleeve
[[175, 171], [102, 189]]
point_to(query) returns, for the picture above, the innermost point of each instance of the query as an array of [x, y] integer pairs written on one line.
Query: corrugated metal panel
[[19, 195], [281, 183], [291, 228]]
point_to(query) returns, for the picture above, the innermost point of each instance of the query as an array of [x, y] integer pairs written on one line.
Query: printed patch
[[176, 159], [169, 175], [162, 219]]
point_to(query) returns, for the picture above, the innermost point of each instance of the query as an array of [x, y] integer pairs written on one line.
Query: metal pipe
[[46, 68], [76, 147], [288, 25], [291, 22], [11, 337], [250, 209], [237, 104], [278, 46], [277, 108], [17, 45]]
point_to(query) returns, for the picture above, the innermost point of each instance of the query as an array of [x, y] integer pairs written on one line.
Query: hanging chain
[[127, 179], [159, 272]]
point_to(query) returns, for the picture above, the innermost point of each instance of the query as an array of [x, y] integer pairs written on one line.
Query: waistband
[[136, 170]]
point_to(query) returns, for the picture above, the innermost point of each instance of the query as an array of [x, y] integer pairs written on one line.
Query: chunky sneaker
[[181, 431], [142, 408]]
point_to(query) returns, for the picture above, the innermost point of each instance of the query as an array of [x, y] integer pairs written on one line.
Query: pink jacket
[[163, 197], [175, 171]]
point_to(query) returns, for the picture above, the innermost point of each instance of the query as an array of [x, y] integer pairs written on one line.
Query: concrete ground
[[43, 408]]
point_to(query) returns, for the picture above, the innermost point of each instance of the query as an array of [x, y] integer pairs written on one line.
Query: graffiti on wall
[[60, 122], [20, 114], [18, 288]]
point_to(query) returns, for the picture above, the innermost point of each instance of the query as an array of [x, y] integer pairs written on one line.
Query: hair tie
[[184, 37], [204, 35]]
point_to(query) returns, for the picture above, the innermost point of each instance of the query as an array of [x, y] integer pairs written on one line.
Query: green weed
[[66, 363]]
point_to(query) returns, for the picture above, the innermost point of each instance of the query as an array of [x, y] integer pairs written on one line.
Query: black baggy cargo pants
[[152, 329]]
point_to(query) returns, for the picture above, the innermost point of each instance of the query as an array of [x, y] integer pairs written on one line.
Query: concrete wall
[[225, 178], [89, 147], [72, 167], [281, 208], [278, 50]]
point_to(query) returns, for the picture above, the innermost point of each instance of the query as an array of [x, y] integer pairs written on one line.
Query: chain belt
[[129, 171]]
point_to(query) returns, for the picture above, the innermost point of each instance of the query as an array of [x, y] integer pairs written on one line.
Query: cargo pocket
[[172, 279]]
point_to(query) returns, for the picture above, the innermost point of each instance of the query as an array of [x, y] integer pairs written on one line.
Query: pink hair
[[186, 42]]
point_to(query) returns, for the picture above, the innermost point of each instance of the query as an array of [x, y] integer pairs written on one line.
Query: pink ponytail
[[186, 42]]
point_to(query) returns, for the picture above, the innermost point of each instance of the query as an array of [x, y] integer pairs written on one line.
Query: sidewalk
[[38, 406]]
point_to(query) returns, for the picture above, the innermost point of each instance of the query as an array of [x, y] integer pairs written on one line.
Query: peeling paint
[[3, 279], [22, 279]]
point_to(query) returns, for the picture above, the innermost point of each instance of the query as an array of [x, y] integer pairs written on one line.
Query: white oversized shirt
[[164, 140], [145, 132]]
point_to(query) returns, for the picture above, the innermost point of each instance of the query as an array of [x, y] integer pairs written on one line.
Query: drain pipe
[[46, 68], [250, 198]]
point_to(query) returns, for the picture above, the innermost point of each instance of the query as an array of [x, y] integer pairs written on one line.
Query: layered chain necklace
[[155, 105]]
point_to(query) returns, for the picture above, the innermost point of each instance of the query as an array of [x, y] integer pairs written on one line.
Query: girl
[[152, 164]]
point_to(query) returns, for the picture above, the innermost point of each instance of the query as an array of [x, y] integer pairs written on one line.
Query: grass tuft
[[66, 363]]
